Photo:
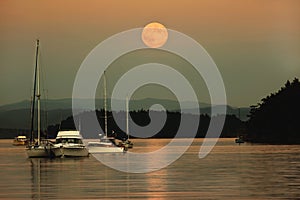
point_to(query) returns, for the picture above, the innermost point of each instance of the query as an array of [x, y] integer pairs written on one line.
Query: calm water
[[229, 172]]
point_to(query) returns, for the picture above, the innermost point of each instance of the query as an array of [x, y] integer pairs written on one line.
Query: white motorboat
[[69, 144]]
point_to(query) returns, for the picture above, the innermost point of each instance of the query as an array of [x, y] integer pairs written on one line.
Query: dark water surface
[[230, 171]]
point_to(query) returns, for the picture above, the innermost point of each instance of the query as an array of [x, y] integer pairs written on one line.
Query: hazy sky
[[255, 43]]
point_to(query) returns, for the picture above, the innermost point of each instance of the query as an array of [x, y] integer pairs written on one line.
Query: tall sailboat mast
[[38, 95], [34, 93], [37, 149], [127, 118], [105, 106]]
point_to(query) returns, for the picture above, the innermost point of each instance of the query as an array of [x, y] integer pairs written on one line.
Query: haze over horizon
[[255, 44]]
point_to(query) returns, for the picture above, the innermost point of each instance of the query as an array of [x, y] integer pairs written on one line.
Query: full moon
[[154, 35]]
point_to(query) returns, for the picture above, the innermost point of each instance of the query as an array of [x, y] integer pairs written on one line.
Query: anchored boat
[[106, 144], [20, 140], [69, 144], [36, 148]]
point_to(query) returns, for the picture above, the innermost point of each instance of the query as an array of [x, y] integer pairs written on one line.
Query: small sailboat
[[239, 140], [126, 143], [106, 144], [37, 148]]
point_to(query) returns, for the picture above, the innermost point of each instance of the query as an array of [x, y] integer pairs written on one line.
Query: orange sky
[[231, 16], [243, 37]]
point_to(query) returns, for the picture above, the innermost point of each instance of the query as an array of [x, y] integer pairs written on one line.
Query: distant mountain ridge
[[52, 104]]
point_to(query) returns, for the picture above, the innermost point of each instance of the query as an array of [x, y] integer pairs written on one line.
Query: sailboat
[[106, 144], [36, 148], [240, 139], [126, 143]]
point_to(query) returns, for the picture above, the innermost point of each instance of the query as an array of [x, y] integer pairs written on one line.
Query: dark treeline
[[7, 133], [276, 118], [232, 126]]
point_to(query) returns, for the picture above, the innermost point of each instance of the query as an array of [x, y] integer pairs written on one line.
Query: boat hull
[[68, 151], [126, 144], [104, 149], [57, 151], [37, 152], [239, 142], [20, 143], [74, 152]]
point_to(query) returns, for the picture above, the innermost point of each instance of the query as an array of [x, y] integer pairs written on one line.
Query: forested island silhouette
[[276, 119]]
